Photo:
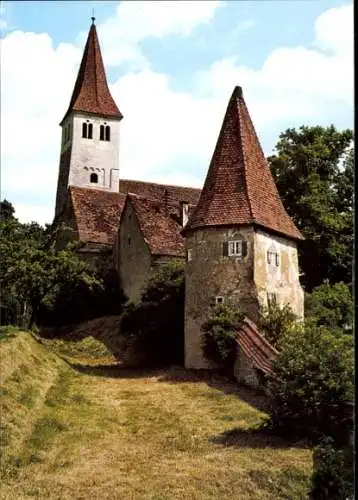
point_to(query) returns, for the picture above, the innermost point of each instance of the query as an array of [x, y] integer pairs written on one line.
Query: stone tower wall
[[211, 275], [245, 281]]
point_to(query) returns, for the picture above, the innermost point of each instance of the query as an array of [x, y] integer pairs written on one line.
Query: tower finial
[[93, 18]]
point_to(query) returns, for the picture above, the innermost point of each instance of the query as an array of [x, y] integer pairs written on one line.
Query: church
[[235, 236]]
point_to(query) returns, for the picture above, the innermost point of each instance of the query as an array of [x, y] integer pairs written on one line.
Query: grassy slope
[[93, 432]]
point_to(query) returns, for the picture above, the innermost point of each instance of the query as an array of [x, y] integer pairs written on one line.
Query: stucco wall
[[210, 274], [134, 261], [92, 155], [282, 280]]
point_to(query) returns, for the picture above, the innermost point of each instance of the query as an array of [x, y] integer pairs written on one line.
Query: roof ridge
[[239, 95], [160, 184]]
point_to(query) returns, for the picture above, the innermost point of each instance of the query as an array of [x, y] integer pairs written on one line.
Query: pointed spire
[[239, 188], [91, 93]]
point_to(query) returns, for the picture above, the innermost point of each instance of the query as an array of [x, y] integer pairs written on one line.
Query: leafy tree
[[332, 477], [156, 323], [311, 382], [275, 321], [219, 333], [331, 306], [313, 170], [6, 210], [32, 271]]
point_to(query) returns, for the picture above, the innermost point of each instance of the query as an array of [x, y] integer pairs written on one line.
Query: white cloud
[[135, 22], [166, 135]]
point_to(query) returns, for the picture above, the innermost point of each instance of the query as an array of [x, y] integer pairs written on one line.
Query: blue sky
[[172, 67]]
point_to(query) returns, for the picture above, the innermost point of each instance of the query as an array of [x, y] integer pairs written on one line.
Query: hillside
[[83, 431]]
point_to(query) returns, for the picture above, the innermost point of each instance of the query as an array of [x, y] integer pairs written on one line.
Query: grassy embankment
[[84, 431]]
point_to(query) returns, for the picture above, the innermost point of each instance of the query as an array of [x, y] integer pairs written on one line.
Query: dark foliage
[[219, 333], [332, 477], [156, 323], [311, 384], [313, 169]]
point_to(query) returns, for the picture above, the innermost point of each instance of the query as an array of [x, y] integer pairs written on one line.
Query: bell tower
[[90, 129]]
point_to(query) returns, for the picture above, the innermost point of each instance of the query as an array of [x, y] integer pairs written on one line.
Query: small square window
[[219, 299], [235, 248]]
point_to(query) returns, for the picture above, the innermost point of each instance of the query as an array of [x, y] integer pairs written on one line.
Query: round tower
[[241, 243]]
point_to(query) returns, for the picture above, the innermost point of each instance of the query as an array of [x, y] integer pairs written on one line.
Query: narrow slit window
[[90, 131], [101, 133], [189, 255], [84, 130], [94, 179], [108, 133]]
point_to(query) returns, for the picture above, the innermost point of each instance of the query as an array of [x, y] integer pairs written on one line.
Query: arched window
[[108, 133], [84, 130], [94, 178], [90, 131], [101, 133]]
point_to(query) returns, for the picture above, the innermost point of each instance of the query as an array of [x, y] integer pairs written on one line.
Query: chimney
[[184, 212]]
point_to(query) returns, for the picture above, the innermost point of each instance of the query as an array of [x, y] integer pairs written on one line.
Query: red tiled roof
[[91, 93], [97, 214], [154, 191], [256, 348], [160, 225], [239, 187]]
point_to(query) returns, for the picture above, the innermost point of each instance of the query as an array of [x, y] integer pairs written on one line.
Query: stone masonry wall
[[209, 274]]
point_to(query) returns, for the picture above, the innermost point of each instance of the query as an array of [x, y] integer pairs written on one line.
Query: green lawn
[[80, 432]]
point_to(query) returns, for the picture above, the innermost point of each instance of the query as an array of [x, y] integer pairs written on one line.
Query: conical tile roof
[[91, 93], [239, 188]]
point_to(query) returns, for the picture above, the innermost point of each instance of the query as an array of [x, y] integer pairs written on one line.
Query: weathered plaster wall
[[94, 156], [210, 274], [282, 280], [134, 261]]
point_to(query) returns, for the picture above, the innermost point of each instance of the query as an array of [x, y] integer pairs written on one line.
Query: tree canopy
[[313, 170]]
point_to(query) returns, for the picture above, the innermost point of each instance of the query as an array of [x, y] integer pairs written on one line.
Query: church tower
[[90, 129], [241, 243]]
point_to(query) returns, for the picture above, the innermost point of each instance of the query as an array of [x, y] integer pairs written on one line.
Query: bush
[[310, 384], [275, 322], [76, 301], [219, 330], [332, 477], [156, 324]]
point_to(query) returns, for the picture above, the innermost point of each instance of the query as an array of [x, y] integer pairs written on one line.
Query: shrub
[[156, 324], [312, 380], [332, 477], [219, 333], [76, 301], [275, 321]]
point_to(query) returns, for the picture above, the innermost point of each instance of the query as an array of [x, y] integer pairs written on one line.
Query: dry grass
[[111, 433]]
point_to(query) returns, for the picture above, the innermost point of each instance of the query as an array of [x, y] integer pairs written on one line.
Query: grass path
[[125, 434]]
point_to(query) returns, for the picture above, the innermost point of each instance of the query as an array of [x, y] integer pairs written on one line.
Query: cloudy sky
[[172, 67]]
